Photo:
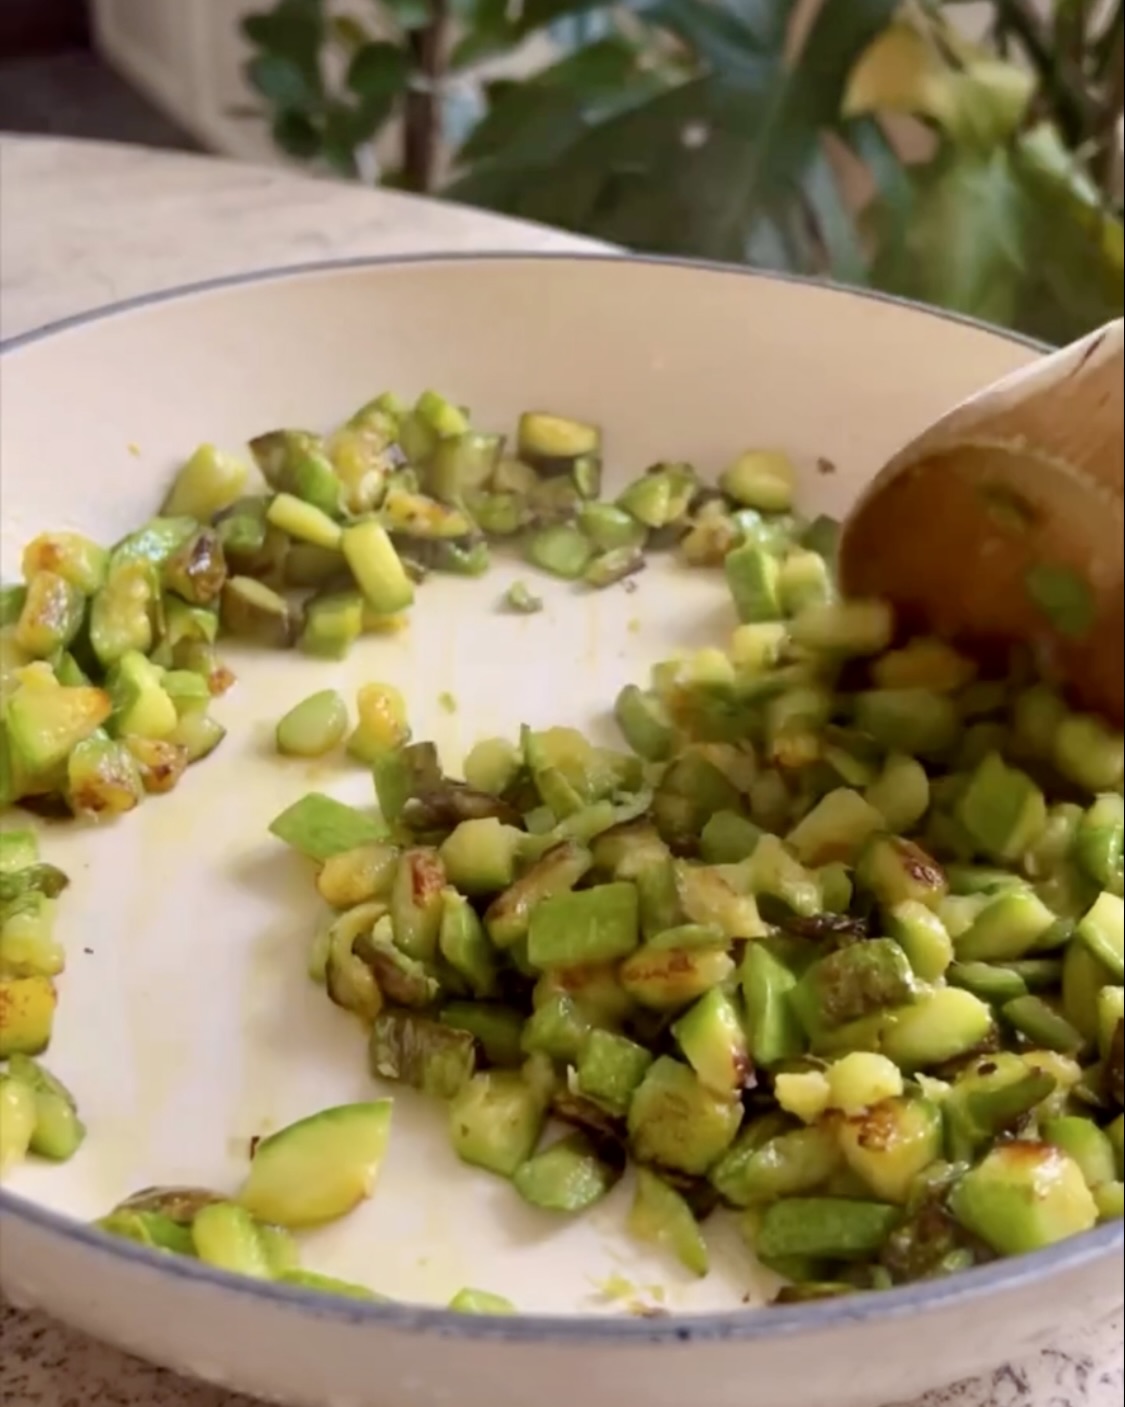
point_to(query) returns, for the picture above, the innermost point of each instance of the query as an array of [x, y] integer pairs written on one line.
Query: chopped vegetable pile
[[836, 946]]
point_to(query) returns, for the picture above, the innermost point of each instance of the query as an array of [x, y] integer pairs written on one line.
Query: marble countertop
[[85, 224]]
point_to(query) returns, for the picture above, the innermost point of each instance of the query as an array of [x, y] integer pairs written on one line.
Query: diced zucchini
[[728, 838], [226, 1236], [314, 726], [859, 1081], [1103, 932], [480, 856], [569, 1176], [774, 1031], [660, 498], [923, 937], [676, 1122], [160, 763], [669, 979], [495, 1121], [480, 1302], [122, 611], [141, 705], [465, 946], [837, 828], [52, 615], [1043, 1026], [891, 1143], [356, 876], [19, 850], [27, 1014], [762, 479], [753, 578], [557, 1028], [377, 568], [897, 871], [58, 1132], [327, 1285], [1087, 1145], [661, 1217], [1022, 1197], [610, 1070], [319, 1169], [942, 1025], [844, 628], [320, 827], [435, 1058], [552, 443], [508, 917], [715, 897], [496, 1029], [333, 623], [805, 583], [644, 723], [253, 611], [69, 555], [1002, 810], [853, 983], [45, 724], [304, 521], [1008, 927], [829, 1228], [417, 904], [765, 1165], [561, 550], [714, 1044], [206, 484], [17, 1121], [901, 794], [1089, 753], [916, 722]]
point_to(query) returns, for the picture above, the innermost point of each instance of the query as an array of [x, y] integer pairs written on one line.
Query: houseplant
[[873, 141]]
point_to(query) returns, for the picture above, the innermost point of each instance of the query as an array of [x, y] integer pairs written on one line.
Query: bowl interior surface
[[187, 1023]]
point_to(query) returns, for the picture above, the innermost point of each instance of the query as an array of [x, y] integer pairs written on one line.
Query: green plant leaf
[[530, 121], [294, 31], [293, 27], [833, 223], [378, 70], [716, 35], [281, 80], [1075, 255], [962, 245], [493, 27], [977, 99], [769, 21], [348, 32], [297, 135], [727, 164], [408, 14], [488, 30], [1016, 236]]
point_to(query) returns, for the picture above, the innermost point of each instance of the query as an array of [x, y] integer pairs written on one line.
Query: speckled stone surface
[[85, 224], [45, 1365]]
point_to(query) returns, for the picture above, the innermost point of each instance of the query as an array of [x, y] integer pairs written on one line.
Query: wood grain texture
[[1025, 476]]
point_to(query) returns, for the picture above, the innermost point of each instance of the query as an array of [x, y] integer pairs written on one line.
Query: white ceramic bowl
[[187, 1023]]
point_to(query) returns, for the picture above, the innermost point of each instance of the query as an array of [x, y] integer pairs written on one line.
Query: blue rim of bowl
[[740, 1326]]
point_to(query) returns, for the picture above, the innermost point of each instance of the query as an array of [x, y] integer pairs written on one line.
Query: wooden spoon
[[1002, 522]]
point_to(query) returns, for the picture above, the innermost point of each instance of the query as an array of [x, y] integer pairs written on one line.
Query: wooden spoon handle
[[1003, 522]]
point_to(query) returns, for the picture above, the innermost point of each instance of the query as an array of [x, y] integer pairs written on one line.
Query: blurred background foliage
[[872, 141]]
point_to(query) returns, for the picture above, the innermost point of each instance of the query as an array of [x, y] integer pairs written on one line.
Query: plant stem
[[1113, 108], [1068, 98], [422, 125]]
